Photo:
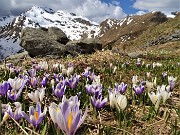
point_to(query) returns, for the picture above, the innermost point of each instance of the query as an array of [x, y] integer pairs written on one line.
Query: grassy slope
[[150, 34]]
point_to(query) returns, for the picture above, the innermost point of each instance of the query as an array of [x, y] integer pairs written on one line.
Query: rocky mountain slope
[[164, 36], [131, 27], [112, 32]]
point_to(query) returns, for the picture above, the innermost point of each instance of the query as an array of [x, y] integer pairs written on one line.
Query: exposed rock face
[[175, 36], [43, 42], [84, 46], [53, 42]]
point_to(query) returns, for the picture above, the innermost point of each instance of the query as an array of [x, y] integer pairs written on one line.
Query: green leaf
[[44, 130]]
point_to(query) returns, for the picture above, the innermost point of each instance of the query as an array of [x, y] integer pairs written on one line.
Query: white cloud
[[166, 6], [95, 10], [140, 12]]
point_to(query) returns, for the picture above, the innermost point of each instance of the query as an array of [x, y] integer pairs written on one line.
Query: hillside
[[163, 36], [132, 27]]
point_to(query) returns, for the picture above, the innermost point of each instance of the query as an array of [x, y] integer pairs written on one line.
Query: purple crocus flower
[[164, 74], [59, 90], [87, 72], [89, 89], [59, 78], [32, 72], [17, 113], [172, 85], [127, 64], [45, 80], [91, 76], [138, 63], [15, 69], [138, 89], [32, 81], [67, 116], [16, 84], [35, 115], [73, 81], [121, 88], [97, 101], [4, 87]]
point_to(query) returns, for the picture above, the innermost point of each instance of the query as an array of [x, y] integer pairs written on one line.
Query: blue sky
[[95, 10], [127, 5]]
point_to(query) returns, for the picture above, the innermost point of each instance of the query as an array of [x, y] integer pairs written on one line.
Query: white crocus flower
[[16, 83], [155, 81], [114, 70], [53, 110], [154, 64], [158, 64], [165, 95], [96, 80], [155, 98], [43, 65], [171, 78], [164, 92], [112, 99], [37, 96], [148, 74], [70, 70], [149, 85], [61, 66], [121, 101], [135, 80], [64, 71], [55, 66], [118, 100]]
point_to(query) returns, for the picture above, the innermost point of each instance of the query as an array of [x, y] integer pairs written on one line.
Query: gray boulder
[[135, 55], [83, 46], [43, 42]]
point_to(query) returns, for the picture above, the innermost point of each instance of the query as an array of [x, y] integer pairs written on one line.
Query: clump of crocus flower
[[59, 90], [38, 95], [73, 81], [138, 89], [121, 88], [35, 115], [67, 116], [117, 99], [97, 100], [16, 86], [43, 65], [67, 71], [17, 113], [162, 92]]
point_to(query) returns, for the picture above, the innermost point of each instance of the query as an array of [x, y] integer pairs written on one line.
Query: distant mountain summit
[[75, 27]]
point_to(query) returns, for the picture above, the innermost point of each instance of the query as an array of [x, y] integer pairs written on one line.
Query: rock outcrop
[[175, 36], [83, 46], [53, 42], [43, 42]]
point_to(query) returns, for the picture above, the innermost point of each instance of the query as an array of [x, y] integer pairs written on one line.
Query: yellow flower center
[[70, 118], [32, 80], [12, 92], [57, 109], [36, 116]]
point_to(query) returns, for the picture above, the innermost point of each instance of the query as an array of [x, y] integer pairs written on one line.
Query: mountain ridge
[[111, 31]]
